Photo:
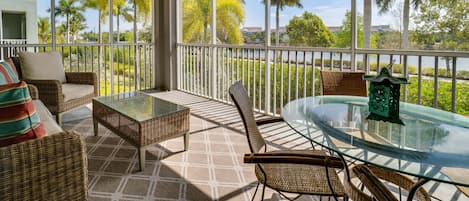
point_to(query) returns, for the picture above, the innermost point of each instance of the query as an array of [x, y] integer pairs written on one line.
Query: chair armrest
[[50, 93], [269, 120], [51, 168], [372, 183], [294, 158], [89, 78], [33, 92]]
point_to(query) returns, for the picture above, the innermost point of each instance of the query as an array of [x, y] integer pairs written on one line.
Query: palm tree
[[367, 23], [68, 8], [44, 30], [143, 8], [279, 6], [385, 6], [77, 24], [102, 7], [197, 19], [122, 10]]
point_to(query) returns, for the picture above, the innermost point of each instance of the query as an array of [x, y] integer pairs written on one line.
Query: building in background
[[18, 21]]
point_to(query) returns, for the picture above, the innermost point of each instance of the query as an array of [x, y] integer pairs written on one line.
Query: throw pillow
[[18, 118], [15, 63], [42, 66], [8, 74]]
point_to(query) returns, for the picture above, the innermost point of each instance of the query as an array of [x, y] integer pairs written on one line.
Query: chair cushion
[[42, 66], [50, 125], [74, 91], [8, 74], [19, 120]]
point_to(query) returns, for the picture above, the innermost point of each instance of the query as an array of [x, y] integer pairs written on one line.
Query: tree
[[443, 25], [68, 8], [367, 23], [142, 8], [102, 7], [90, 36], [44, 31], [197, 19], [343, 37], [77, 24], [386, 40], [145, 34], [385, 6], [309, 30], [122, 10], [279, 6]]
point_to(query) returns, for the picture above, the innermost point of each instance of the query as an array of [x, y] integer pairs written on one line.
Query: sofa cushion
[[50, 125], [8, 74], [74, 91], [19, 120], [42, 66]]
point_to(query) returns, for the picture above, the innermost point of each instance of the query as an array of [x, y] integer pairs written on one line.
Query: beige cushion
[[42, 66], [73, 91], [46, 118]]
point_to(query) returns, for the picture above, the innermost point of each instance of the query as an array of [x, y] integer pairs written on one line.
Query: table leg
[[141, 158], [186, 141], [414, 188], [95, 126]]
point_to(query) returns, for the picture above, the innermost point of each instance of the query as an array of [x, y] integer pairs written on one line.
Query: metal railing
[[293, 72], [131, 69]]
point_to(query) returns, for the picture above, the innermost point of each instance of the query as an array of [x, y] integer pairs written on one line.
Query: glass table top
[[140, 106], [432, 143]]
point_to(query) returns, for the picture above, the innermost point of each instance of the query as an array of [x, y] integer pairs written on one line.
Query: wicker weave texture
[[244, 106], [50, 92], [343, 83], [50, 168], [299, 178], [370, 176], [144, 133], [285, 177], [33, 92]]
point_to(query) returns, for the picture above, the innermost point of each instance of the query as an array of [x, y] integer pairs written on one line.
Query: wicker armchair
[[51, 94], [369, 176], [293, 171], [343, 83], [50, 168]]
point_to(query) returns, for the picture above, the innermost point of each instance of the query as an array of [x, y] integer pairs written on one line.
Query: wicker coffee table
[[141, 119]]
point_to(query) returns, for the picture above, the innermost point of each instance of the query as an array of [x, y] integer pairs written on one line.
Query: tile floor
[[212, 168]]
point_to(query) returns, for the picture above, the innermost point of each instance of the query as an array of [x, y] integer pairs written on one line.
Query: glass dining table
[[432, 145]]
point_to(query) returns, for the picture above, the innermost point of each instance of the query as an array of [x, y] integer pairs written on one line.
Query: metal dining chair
[[370, 177], [310, 172]]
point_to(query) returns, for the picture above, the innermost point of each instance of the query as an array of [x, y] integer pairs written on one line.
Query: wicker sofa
[[53, 93], [51, 168]]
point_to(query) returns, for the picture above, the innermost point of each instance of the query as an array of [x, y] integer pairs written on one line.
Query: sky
[[330, 11]]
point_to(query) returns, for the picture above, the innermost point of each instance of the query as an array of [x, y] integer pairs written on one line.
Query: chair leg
[[263, 192], [257, 187], [58, 118]]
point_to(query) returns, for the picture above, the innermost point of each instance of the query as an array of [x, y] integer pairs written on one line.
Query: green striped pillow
[[18, 118], [8, 74]]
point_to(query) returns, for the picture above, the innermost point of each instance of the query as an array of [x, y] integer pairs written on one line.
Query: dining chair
[[343, 83], [311, 172], [370, 177]]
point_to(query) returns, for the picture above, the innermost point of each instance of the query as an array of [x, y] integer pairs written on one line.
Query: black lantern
[[384, 93]]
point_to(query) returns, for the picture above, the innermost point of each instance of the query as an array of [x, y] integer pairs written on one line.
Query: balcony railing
[[132, 66], [208, 70]]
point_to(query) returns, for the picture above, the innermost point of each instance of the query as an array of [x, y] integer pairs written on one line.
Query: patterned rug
[[212, 168]]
